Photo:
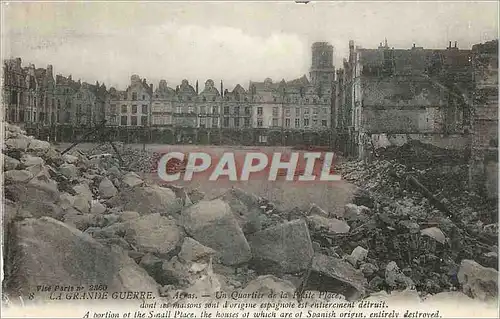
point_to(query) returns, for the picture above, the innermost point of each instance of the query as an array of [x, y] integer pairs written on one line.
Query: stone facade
[[28, 93], [484, 159], [210, 101], [132, 106], [283, 113], [33, 97], [485, 63], [387, 92]]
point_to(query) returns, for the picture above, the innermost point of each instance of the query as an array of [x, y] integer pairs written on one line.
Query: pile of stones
[[70, 219]]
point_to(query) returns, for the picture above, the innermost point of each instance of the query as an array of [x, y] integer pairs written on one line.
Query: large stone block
[[285, 247], [147, 200], [107, 189], [153, 234], [10, 163], [344, 278], [48, 252], [478, 281], [212, 224]]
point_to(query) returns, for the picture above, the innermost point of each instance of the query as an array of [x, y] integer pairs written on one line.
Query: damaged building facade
[[484, 151], [388, 96], [47, 106]]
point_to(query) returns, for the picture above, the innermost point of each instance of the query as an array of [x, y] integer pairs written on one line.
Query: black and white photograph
[[249, 159]]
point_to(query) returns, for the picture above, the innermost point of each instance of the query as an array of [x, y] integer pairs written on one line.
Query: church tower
[[322, 71]]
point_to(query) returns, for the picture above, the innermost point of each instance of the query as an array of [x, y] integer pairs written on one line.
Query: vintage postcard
[[228, 159]]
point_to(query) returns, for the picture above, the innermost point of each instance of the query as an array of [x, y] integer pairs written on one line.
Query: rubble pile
[[425, 231], [418, 154], [134, 159], [71, 219], [441, 170]]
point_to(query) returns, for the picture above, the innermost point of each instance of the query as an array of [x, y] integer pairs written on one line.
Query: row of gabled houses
[[35, 97], [293, 105]]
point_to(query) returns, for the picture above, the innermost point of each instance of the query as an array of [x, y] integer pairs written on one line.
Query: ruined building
[[447, 98], [48, 106], [484, 157], [387, 96]]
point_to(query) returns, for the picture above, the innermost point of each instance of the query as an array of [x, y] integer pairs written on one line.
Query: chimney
[[162, 86], [49, 70], [135, 79], [449, 47], [151, 88], [414, 45], [32, 70], [455, 44]]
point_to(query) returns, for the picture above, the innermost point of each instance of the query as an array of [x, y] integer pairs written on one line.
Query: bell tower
[[322, 71]]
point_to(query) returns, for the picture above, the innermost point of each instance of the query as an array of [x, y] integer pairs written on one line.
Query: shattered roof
[[415, 59], [302, 81], [115, 94], [210, 90], [67, 81], [40, 74], [268, 85]]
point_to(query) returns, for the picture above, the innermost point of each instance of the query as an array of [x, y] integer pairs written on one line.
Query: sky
[[224, 40]]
